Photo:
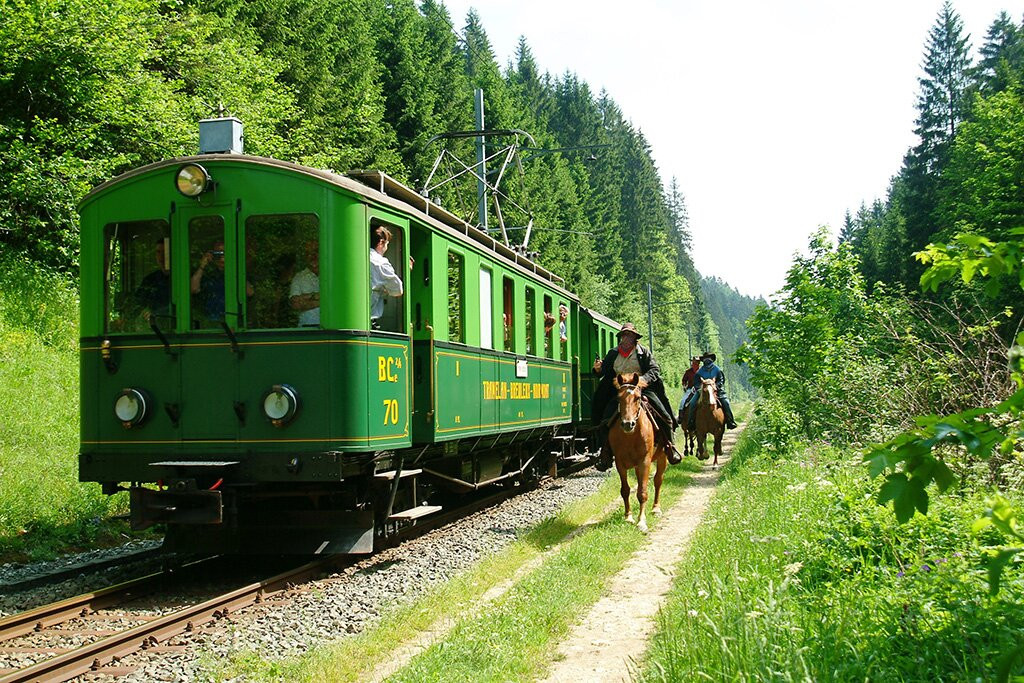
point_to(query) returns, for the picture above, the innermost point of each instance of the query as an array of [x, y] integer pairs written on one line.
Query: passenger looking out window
[[304, 292], [384, 281], [549, 324], [563, 329]]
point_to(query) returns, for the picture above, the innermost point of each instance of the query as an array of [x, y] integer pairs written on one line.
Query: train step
[[390, 474], [414, 513]]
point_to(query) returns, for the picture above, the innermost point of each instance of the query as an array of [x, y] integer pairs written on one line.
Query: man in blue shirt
[[711, 371]]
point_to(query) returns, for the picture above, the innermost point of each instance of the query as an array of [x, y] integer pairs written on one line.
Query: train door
[[389, 352], [209, 367]]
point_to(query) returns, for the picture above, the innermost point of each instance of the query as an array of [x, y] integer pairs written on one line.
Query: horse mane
[[713, 400], [633, 380]]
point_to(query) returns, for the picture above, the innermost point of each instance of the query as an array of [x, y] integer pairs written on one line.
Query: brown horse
[[689, 435], [632, 441], [710, 419]]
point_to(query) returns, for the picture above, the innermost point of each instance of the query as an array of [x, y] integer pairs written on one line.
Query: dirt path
[[596, 653], [613, 636]]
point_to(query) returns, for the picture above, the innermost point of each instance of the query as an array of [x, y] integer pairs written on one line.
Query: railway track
[[139, 556], [99, 617]]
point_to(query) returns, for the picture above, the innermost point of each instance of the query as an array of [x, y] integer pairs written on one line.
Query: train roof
[[381, 188], [601, 318]]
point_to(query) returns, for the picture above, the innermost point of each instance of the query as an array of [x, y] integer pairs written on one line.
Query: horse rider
[[711, 371], [627, 358], [688, 391]]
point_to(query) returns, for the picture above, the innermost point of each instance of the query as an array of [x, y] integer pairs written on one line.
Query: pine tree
[[941, 103], [422, 78], [941, 106], [849, 232], [1001, 62], [531, 89]]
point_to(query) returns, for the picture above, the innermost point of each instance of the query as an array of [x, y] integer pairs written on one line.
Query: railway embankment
[[44, 510]]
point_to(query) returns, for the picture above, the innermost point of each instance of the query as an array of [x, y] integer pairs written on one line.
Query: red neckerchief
[[626, 354]]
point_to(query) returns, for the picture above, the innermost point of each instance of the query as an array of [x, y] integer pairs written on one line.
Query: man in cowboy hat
[[627, 358], [688, 390], [711, 371]]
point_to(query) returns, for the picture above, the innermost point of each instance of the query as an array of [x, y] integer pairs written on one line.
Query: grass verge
[[514, 639], [797, 574], [44, 510], [350, 659]]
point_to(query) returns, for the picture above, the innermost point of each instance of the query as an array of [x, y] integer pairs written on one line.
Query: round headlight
[[130, 407], [280, 404], [193, 180]]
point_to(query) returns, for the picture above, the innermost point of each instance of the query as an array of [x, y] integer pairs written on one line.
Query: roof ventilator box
[[220, 136]]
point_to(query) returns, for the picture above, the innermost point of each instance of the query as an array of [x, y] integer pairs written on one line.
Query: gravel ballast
[[89, 579], [353, 600]]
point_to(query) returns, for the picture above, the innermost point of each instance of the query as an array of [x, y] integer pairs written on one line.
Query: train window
[[563, 330], [138, 276], [549, 327], [207, 264], [282, 261], [486, 333], [456, 296], [531, 330], [387, 307], [508, 318]]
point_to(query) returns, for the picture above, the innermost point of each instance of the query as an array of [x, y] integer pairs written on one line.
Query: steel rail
[[78, 569], [63, 610], [94, 656]]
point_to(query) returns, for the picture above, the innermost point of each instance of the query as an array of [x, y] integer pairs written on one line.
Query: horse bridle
[[643, 406]]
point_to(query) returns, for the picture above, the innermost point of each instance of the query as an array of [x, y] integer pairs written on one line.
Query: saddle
[[656, 419], [662, 431]]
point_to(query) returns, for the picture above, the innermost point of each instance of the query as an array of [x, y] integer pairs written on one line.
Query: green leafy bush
[[776, 427], [798, 574]]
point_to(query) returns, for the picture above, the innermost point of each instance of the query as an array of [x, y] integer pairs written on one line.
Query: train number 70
[[391, 411]]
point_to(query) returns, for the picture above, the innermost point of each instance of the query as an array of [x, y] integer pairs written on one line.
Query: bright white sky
[[775, 117]]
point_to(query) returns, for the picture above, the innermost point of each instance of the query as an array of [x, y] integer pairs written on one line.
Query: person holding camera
[[207, 283]]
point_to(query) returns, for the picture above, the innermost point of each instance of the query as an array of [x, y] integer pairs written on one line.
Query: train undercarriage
[[204, 507]]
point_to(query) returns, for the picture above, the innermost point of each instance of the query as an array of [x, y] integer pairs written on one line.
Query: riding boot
[[671, 452], [604, 458], [730, 422], [692, 422]]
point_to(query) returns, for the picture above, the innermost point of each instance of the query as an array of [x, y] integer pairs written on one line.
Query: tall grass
[[43, 508], [797, 574]]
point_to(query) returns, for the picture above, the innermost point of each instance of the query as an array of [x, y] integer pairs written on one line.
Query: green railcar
[[233, 377]]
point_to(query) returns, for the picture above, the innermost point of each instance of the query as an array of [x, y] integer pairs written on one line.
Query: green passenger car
[[240, 374]]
